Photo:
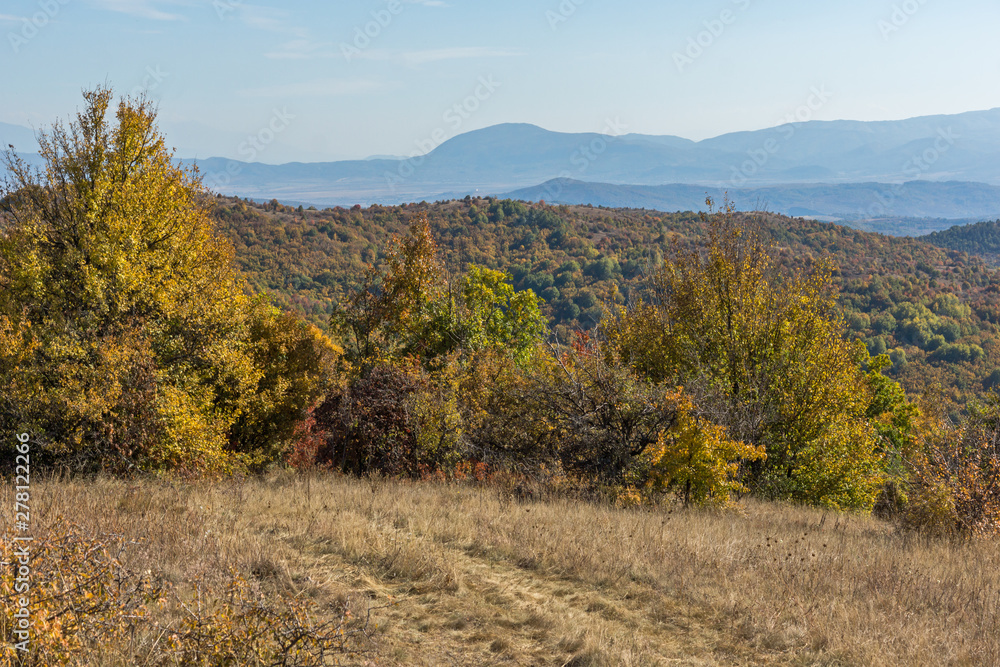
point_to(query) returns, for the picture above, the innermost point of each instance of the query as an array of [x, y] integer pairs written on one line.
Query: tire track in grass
[[472, 607]]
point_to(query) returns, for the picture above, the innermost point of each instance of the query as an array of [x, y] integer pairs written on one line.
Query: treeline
[[732, 375], [934, 311], [620, 353]]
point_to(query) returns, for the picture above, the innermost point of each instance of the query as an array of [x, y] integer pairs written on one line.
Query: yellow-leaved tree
[[696, 458], [762, 354], [135, 339]]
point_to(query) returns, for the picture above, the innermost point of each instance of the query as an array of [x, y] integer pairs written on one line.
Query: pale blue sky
[[226, 70]]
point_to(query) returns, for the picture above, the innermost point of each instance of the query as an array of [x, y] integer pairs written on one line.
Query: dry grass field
[[465, 575]]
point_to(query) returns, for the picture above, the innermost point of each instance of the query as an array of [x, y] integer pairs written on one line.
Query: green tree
[[764, 356], [496, 316], [407, 307]]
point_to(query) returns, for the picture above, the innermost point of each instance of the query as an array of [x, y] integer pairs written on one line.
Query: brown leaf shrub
[[86, 604], [955, 479], [80, 595]]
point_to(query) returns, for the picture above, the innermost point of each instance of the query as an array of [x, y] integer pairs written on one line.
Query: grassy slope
[[479, 577]]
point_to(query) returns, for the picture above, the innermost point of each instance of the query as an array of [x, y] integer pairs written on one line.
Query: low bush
[[955, 478], [86, 604]]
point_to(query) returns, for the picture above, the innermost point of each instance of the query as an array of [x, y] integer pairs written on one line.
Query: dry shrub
[[471, 470], [370, 427], [308, 441], [247, 626], [954, 476], [955, 488], [80, 596], [86, 604]]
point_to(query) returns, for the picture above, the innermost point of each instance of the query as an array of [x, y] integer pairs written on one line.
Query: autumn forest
[[630, 358]]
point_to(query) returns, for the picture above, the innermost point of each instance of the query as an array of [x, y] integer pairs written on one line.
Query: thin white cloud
[[457, 53], [273, 24], [317, 88], [145, 9], [303, 49], [302, 46], [270, 19], [10, 18]]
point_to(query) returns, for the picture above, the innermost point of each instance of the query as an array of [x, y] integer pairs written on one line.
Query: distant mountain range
[[840, 169], [22, 138]]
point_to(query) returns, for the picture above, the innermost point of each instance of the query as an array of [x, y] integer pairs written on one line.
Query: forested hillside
[[981, 238], [935, 311], [626, 357], [625, 353]]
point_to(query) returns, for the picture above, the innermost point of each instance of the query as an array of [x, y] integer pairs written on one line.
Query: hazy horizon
[[377, 156], [384, 77]]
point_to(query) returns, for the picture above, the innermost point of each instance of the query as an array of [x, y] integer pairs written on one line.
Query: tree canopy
[[134, 337], [686, 354], [765, 356]]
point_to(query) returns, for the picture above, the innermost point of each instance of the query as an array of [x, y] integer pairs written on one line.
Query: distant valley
[[912, 209]]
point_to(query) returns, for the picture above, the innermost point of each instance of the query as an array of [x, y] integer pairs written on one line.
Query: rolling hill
[[929, 167], [981, 239], [936, 311]]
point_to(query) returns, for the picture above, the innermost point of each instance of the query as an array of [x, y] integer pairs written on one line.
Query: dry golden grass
[[477, 577]]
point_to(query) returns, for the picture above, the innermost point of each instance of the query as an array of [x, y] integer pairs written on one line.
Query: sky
[[306, 80]]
